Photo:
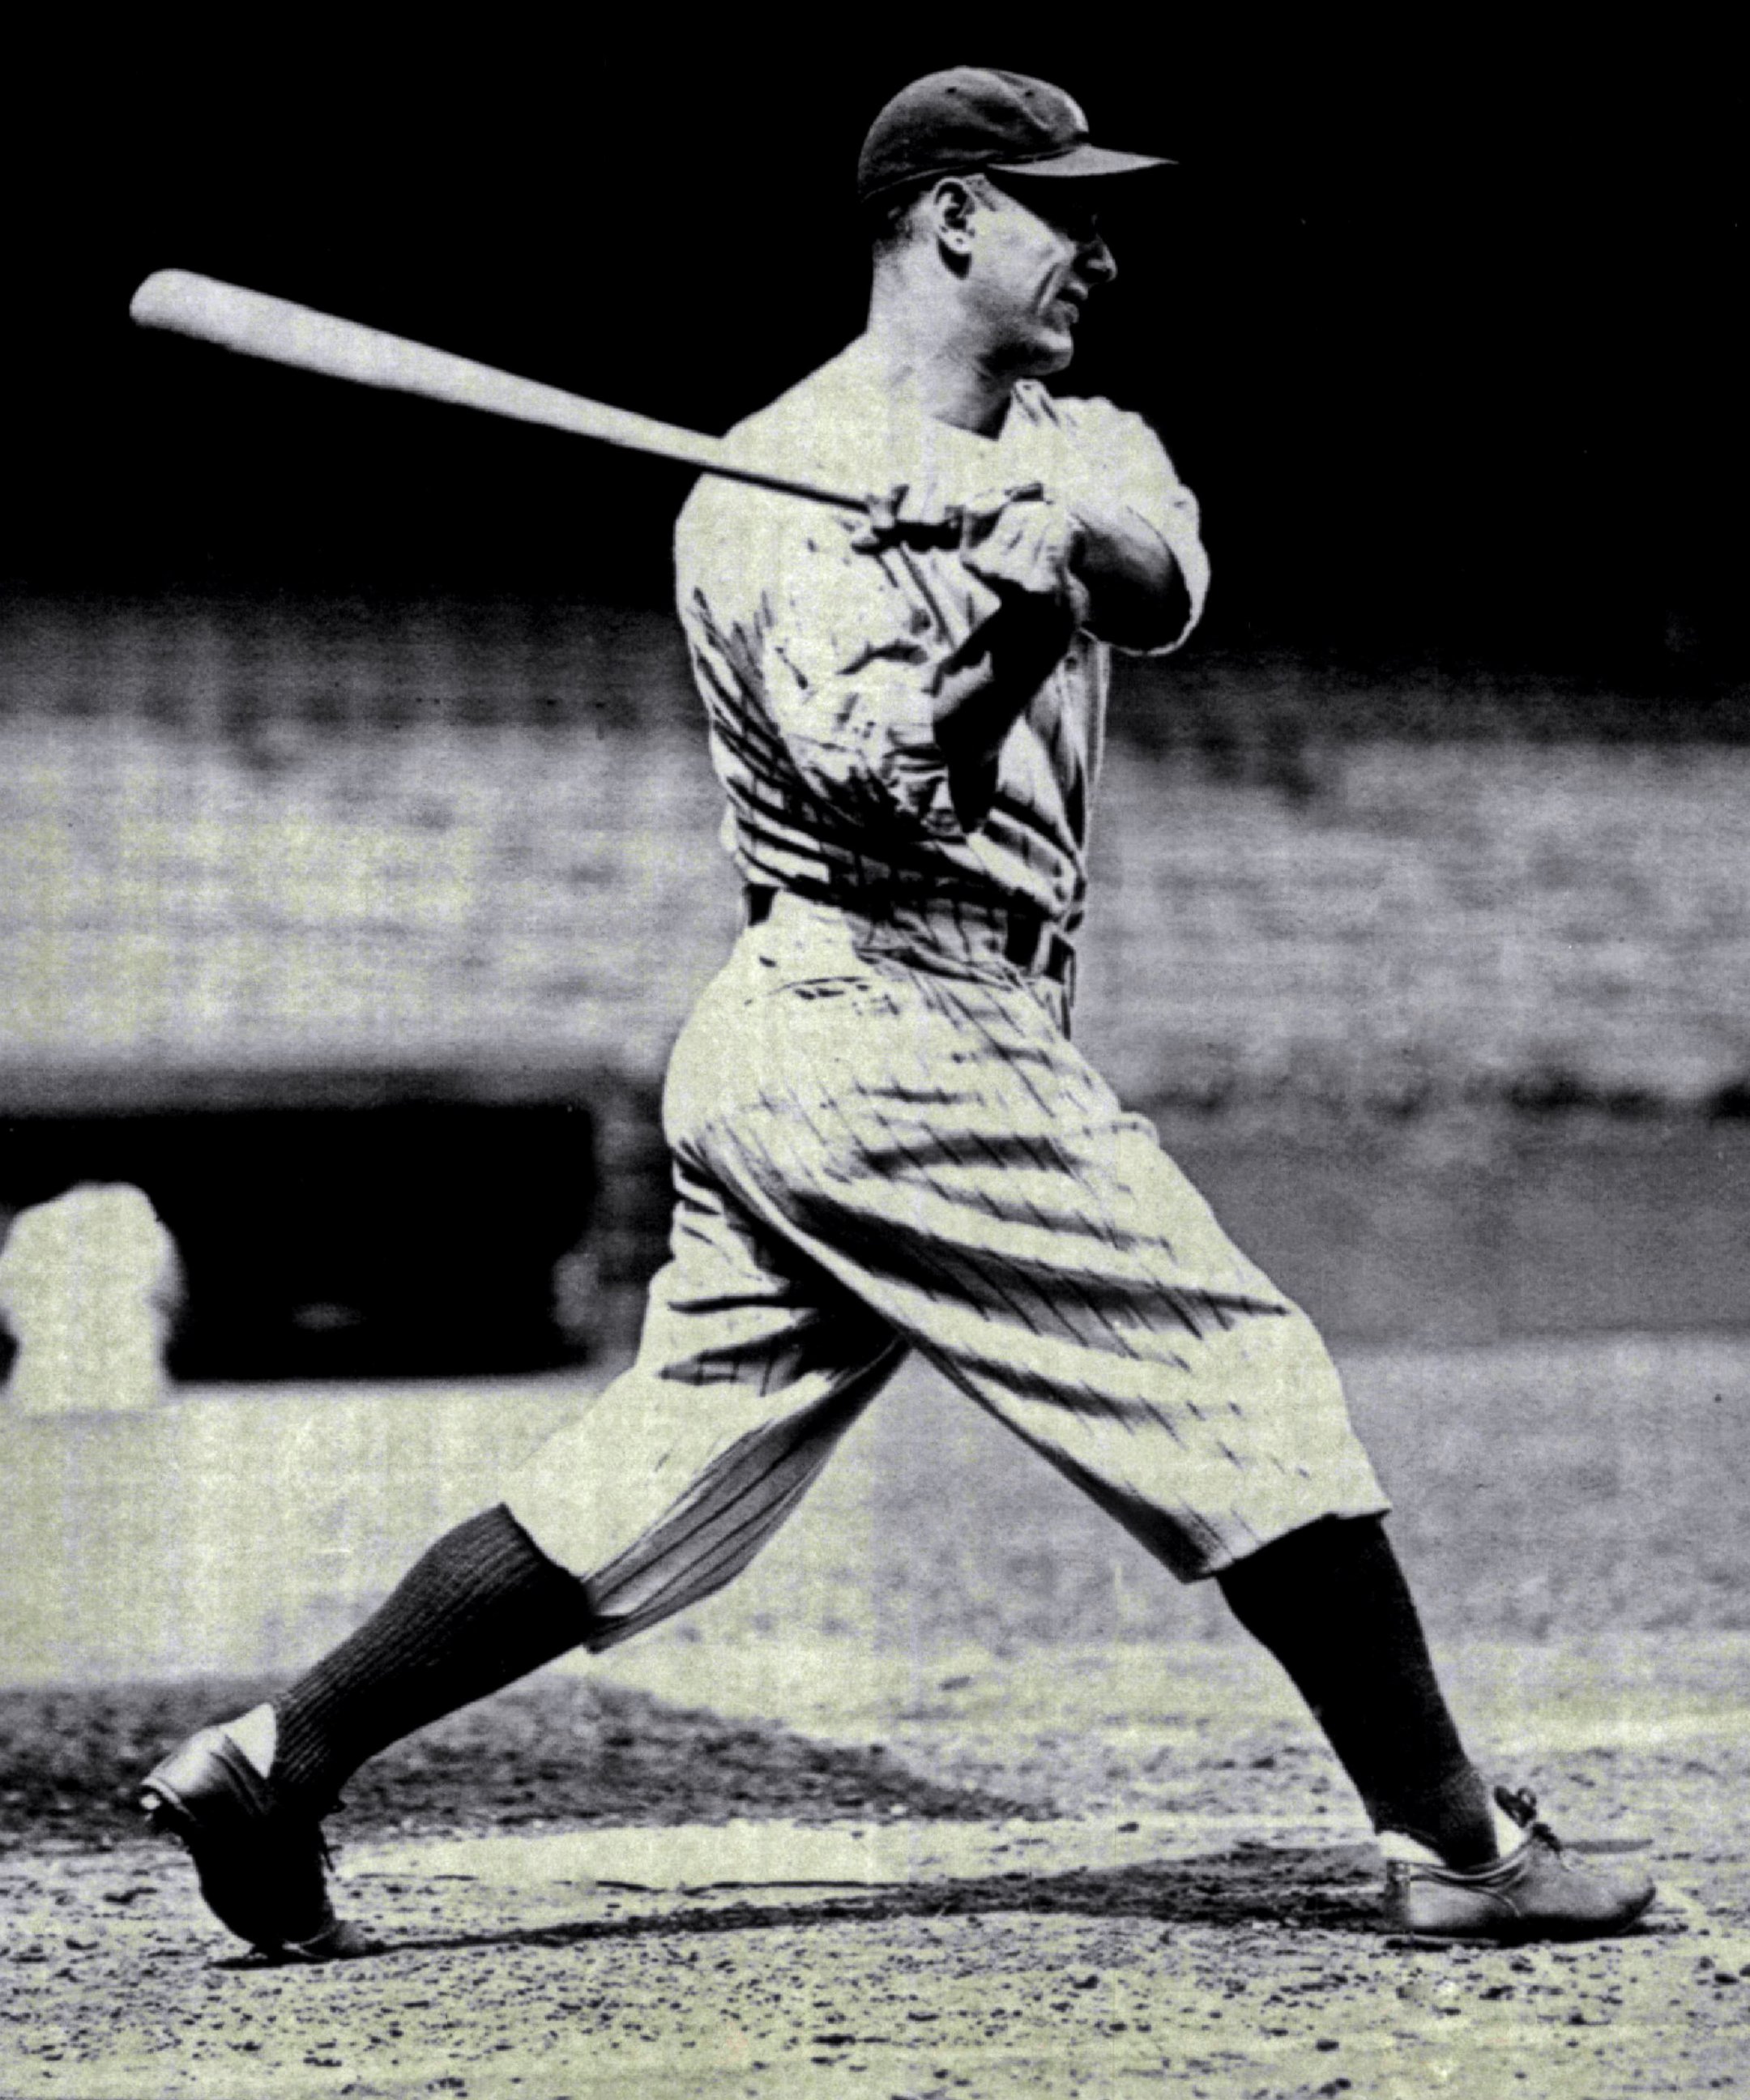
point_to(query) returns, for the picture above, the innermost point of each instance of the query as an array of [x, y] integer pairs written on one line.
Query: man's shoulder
[[800, 414], [800, 431], [1085, 419], [1065, 439]]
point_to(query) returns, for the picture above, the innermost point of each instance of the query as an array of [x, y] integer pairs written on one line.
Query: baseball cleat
[[1536, 1892], [262, 1867]]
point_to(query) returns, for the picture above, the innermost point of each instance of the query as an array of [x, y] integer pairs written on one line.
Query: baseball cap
[[978, 117]]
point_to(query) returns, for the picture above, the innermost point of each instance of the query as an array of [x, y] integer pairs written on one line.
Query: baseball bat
[[259, 325]]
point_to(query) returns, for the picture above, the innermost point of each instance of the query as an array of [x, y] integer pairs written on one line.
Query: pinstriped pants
[[883, 1139]]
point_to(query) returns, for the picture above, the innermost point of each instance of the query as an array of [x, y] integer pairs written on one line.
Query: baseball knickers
[[883, 1139]]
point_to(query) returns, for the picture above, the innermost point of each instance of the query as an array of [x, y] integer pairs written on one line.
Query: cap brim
[[1084, 160]]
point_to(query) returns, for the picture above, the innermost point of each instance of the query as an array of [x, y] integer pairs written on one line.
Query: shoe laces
[[1521, 1804]]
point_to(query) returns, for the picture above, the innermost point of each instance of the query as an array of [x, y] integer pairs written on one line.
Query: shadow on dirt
[[1326, 1888], [558, 1750]]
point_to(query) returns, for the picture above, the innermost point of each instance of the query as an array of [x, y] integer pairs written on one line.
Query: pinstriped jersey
[[818, 662]]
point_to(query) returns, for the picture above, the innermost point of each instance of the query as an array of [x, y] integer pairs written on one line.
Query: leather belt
[[1030, 941]]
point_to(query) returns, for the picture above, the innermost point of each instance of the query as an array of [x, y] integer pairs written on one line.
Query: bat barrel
[[256, 325]]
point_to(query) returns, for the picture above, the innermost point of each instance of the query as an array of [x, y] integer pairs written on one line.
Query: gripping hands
[[1021, 541], [1023, 545]]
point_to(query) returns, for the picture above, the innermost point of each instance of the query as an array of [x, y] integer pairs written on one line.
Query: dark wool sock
[[481, 1607], [1331, 1604]]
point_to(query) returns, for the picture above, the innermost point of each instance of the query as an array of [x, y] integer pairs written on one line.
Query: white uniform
[[882, 1137]]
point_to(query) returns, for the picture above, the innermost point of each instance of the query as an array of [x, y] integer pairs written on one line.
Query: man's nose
[[1096, 260]]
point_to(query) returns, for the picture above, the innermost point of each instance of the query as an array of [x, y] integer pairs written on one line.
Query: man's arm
[[834, 640], [1139, 597], [1026, 550], [1023, 547], [893, 715], [1141, 553]]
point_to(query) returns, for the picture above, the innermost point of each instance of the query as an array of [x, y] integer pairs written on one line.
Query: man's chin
[[1053, 353]]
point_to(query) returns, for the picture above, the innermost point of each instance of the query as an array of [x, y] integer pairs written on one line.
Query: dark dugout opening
[[400, 1239]]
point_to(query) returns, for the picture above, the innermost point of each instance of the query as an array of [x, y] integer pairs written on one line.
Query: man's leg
[[752, 1367], [1331, 1604], [992, 1201], [1464, 1862], [480, 1608]]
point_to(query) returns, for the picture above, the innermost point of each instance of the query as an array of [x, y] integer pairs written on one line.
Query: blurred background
[[357, 838]]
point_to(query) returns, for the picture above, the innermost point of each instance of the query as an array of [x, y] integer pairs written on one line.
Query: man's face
[[1039, 255]]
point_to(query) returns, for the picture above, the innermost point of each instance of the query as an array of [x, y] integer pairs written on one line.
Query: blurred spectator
[[88, 1286]]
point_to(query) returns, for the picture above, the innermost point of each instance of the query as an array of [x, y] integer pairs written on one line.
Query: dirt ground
[[865, 1825]]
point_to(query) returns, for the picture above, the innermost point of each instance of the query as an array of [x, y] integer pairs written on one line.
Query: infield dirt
[[931, 1805]]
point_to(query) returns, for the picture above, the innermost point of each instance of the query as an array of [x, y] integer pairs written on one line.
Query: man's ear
[[954, 205]]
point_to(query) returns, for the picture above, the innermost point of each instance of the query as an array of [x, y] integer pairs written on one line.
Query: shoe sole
[[1529, 1935]]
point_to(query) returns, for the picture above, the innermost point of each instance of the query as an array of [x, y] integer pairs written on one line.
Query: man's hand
[[1026, 547], [922, 513], [1022, 545], [1021, 541], [910, 514]]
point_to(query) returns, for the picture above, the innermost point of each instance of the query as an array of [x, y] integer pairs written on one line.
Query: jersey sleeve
[[843, 659], [1117, 453]]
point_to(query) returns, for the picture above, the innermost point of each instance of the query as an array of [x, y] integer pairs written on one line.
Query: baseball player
[[883, 1139]]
